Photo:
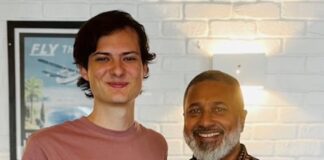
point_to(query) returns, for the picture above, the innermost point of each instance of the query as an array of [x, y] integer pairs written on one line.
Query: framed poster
[[42, 79]]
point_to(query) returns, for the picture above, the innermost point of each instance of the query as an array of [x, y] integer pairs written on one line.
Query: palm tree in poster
[[33, 93]]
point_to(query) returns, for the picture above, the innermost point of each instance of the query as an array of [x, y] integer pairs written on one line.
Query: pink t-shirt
[[82, 140]]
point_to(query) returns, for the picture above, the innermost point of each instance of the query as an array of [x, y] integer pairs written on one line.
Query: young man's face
[[212, 119], [115, 70]]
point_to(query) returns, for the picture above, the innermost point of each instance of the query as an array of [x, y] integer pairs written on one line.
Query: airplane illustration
[[64, 75]]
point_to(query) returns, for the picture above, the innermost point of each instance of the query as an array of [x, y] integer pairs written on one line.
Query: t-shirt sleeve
[[33, 150]]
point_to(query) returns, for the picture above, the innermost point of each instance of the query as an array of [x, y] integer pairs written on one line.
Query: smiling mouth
[[118, 84], [208, 135]]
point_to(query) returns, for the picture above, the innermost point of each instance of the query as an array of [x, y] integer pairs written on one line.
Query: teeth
[[209, 134]]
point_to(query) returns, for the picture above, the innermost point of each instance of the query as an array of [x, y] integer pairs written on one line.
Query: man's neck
[[113, 117]]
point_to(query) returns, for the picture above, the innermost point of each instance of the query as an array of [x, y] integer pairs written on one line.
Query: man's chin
[[213, 151], [209, 151], [208, 144]]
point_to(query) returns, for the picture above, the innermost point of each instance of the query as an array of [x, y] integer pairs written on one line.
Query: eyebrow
[[193, 104], [218, 103], [108, 53]]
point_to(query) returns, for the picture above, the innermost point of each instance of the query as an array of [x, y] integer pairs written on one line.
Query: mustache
[[211, 129]]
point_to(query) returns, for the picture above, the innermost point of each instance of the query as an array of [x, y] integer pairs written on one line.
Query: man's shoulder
[[152, 134], [244, 155], [54, 130]]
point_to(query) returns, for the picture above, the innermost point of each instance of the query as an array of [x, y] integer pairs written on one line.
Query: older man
[[214, 117]]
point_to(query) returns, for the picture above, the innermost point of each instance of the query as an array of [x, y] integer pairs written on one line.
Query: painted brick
[[235, 1], [311, 131], [185, 29], [156, 65], [98, 8], [256, 148], [262, 10], [233, 28], [174, 97], [253, 96], [150, 97], [4, 155], [211, 46], [247, 132], [3, 31], [200, 46], [172, 130], [268, 115], [192, 63], [207, 11], [301, 115], [145, 0], [310, 157], [301, 10], [159, 114], [170, 81], [315, 28], [4, 145], [174, 147], [152, 29], [315, 65], [3, 61], [162, 46], [186, 0], [272, 46], [305, 46], [281, 28], [314, 98], [293, 83], [270, 132], [286, 65], [20, 10], [4, 116], [71, 10], [69, 0], [274, 98], [157, 12], [297, 148]]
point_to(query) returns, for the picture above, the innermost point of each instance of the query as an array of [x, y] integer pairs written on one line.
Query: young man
[[214, 117], [111, 51]]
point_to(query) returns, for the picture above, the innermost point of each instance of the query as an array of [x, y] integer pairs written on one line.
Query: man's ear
[[242, 118], [145, 70], [83, 73]]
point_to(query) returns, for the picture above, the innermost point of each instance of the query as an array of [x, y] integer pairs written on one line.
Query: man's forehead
[[211, 92], [211, 86]]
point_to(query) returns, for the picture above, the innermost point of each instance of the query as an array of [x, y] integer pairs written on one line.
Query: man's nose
[[206, 119], [118, 68]]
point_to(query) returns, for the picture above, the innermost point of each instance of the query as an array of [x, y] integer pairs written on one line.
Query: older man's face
[[213, 118]]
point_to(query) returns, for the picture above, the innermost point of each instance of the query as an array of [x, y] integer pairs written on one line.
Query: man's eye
[[102, 59], [130, 58], [219, 109], [194, 111]]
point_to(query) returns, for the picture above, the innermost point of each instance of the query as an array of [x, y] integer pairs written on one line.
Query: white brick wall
[[285, 121]]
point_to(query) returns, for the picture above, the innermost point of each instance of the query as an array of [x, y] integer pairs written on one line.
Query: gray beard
[[226, 146]]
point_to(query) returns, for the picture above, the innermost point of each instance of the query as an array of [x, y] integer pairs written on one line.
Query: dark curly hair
[[100, 25]]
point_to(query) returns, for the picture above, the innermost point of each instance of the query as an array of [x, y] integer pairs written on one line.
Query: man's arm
[[33, 150]]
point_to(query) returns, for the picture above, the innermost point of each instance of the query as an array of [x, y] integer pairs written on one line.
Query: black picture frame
[[23, 35]]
